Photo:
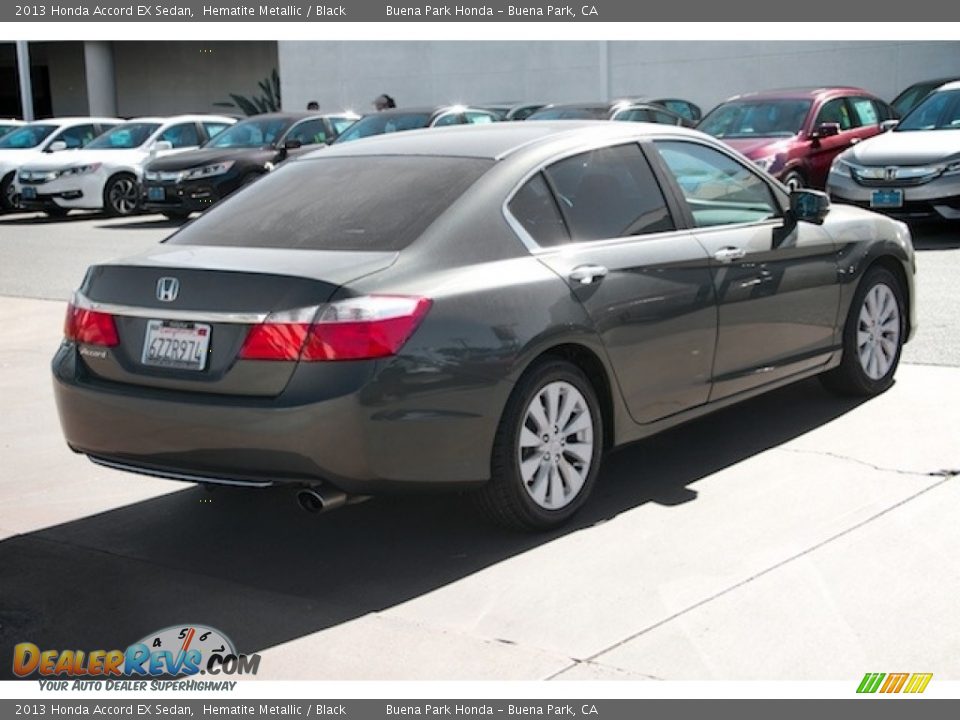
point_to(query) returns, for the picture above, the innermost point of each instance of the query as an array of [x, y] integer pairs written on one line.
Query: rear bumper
[[367, 439]]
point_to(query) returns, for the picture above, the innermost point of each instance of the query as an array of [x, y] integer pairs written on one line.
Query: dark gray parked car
[[478, 307]]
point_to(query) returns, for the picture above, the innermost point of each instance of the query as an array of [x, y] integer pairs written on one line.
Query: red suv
[[795, 134]]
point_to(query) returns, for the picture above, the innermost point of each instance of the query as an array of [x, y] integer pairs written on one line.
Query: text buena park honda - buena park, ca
[[161, 11], [555, 11]]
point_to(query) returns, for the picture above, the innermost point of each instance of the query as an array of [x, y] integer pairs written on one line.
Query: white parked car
[[37, 140], [913, 171], [8, 124], [106, 174]]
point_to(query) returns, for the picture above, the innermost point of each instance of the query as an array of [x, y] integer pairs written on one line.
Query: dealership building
[[133, 78]]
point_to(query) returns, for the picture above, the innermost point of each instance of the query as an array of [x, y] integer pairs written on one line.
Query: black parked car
[[488, 308], [182, 183], [678, 112], [917, 93], [416, 118]]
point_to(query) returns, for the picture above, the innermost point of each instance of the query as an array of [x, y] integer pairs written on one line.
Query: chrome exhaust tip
[[320, 499]]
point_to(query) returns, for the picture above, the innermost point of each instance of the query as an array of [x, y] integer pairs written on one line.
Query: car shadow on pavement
[[142, 223], [255, 566], [935, 235]]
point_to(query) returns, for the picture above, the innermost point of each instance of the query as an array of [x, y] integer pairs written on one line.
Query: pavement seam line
[[827, 453], [775, 566], [596, 663]]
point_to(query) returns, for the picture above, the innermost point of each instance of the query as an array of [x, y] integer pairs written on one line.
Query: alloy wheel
[[878, 331], [556, 445], [123, 196]]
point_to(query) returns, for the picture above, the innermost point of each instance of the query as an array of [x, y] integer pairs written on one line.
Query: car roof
[[949, 85], [810, 93], [74, 119], [298, 115], [166, 120], [499, 140]]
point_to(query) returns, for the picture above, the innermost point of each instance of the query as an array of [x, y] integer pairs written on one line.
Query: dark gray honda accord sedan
[[484, 308]]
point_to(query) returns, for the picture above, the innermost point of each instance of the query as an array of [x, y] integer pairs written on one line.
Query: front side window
[[215, 128], [865, 112], [182, 135], [381, 123], [609, 193], [448, 119], [475, 117], [718, 189], [340, 124], [309, 132], [77, 136], [250, 134], [125, 137], [633, 115], [835, 111]]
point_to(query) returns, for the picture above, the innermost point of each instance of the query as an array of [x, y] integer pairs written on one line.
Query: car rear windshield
[[125, 136], [26, 137], [375, 203], [382, 123], [758, 118]]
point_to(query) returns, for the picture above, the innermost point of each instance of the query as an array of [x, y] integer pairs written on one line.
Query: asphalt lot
[[796, 536]]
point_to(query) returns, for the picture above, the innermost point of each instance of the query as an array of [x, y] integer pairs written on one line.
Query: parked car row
[[180, 165]]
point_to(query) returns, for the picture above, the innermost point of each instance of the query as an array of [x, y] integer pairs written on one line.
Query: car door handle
[[586, 274], [729, 254]]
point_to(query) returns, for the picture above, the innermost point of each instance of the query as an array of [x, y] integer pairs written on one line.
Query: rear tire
[[872, 337], [547, 450], [9, 200], [121, 195]]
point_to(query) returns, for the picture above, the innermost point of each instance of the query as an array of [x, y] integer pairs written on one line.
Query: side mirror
[[292, 144], [161, 145], [809, 206], [57, 146], [825, 130], [888, 125]]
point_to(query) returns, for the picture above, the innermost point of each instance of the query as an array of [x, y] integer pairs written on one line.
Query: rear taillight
[[90, 327], [360, 328]]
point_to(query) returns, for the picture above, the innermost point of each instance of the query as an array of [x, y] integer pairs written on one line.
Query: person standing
[[313, 105], [384, 102]]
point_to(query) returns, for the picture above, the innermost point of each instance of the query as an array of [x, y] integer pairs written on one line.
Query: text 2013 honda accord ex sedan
[[485, 308]]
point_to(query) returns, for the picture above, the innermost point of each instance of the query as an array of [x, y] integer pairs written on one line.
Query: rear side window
[[836, 111], [535, 208], [608, 193], [376, 203]]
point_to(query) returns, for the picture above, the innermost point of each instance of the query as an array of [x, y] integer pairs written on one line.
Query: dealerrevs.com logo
[[176, 651]]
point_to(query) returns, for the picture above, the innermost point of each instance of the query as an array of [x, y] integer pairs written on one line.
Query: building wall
[[351, 74], [166, 78]]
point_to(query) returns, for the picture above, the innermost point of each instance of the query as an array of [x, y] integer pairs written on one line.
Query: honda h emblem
[[167, 289], [891, 173]]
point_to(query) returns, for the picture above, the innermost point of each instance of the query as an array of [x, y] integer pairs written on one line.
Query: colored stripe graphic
[[918, 682], [894, 683], [870, 682]]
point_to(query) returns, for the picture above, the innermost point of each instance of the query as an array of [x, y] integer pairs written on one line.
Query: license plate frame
[[192, 358], [892, 198], [156, 193], [28, 193]]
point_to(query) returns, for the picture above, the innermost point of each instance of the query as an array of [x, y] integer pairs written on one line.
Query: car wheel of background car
[[872, 337], [56, 212], [176, 215], [8, 194], [794, 181], [121, 196], [547, 450]]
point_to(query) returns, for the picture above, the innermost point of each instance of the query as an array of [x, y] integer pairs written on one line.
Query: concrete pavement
[[796, 536]]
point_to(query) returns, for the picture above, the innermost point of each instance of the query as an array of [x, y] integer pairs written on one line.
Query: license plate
[[886, 199], [176, 345], [156, 193], [28, 193]]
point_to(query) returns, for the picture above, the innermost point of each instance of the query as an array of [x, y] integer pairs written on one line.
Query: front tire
[[794, 181], [121, 195], [872, 337], [547, 450]]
